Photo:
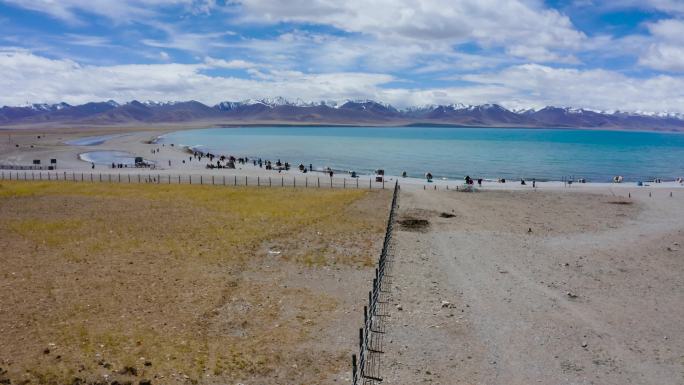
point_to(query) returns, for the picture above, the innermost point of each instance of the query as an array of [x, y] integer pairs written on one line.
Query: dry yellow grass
[[176, 283]]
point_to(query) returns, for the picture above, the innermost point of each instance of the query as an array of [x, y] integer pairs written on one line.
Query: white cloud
[[191, 42], [38, 79], [119, 10], [525, 24], [665, 52], [674, 6], [227, 64], [668, 6], [87, 40], [33, 78], [664, 57], [538, 85]]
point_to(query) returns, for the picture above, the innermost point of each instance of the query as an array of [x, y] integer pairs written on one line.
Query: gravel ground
[[538, 287]]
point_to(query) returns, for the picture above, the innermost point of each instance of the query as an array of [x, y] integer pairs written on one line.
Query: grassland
[[181, 284]]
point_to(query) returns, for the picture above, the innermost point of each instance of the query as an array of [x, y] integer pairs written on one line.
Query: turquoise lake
[[452, 152]]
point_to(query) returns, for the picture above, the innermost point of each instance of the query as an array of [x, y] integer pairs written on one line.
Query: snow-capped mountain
[[275, 102], [44, 107], [362, 112]]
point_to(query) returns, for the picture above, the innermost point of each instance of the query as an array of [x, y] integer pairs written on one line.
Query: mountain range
[[359, 112]]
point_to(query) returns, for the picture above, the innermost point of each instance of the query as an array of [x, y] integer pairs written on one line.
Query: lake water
[[452, 152]]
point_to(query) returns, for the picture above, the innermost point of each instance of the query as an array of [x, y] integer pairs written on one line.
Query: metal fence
[[25, 167], [201, 179], [371, 336]]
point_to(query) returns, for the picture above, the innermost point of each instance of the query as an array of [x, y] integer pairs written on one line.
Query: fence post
[[235, 180], [201, 181], [179, 179], [383, 182], [370, 183], [269, 181], [138, 178], [246, 181], [330, 182], [282, 181], [353, 366], [224, 180], [319, 182], [190, 179], [212, 179], [306, 181], [361, 340], [357, 182], [344, 183], [158, 179], [294, 181], [258, 181]]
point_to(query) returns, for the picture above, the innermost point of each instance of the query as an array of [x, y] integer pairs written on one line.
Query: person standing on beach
[[534, 183]]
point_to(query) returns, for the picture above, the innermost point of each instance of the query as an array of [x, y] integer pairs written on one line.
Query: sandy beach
[[558, 284]]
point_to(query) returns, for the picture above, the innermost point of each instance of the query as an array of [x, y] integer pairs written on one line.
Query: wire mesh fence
[[372, 335], [200, 179], [25, 167]]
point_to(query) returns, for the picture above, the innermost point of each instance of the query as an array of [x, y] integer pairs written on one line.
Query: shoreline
[[177, 159]]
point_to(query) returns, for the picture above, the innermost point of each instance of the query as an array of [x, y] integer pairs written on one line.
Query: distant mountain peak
[[48, 107], [154, 103], [352, 111]]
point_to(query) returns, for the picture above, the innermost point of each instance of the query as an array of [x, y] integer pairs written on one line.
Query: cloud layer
[[518, 53], [33, 78]]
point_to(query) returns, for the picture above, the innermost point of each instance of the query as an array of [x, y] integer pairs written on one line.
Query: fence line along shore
[[366, 371], [198, 179]]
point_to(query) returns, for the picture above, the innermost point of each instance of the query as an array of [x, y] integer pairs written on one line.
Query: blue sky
[[605, 55]]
